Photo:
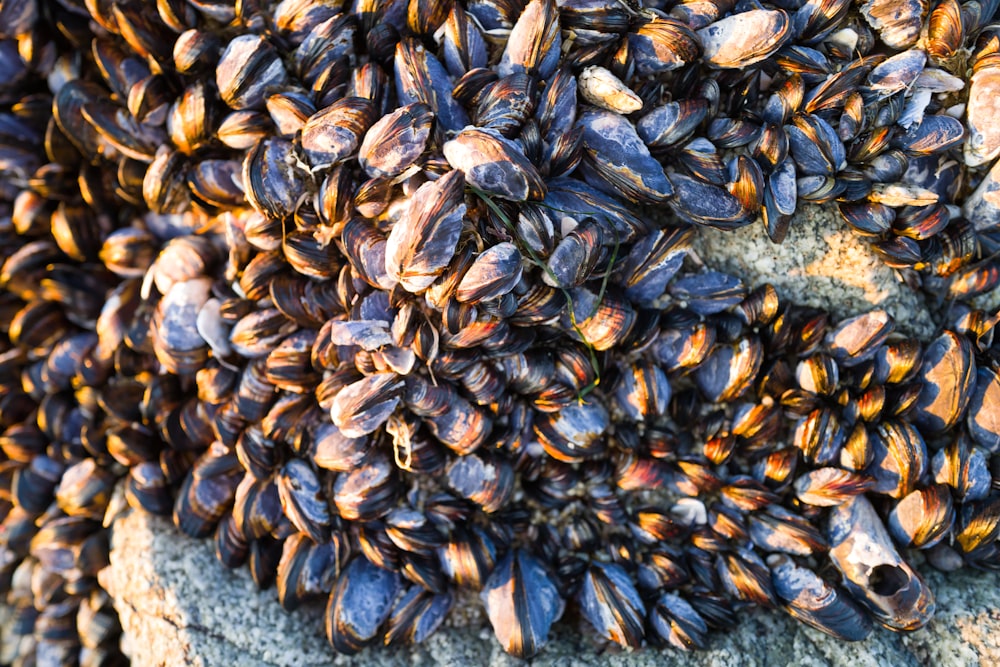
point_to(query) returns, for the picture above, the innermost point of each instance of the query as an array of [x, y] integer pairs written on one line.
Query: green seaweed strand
[[537, 261]]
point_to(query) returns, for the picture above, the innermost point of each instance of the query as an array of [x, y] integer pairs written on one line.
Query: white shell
[[605, 90]]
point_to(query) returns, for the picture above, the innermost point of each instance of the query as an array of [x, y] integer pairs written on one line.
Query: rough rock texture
[[179, 606], [821, 263]]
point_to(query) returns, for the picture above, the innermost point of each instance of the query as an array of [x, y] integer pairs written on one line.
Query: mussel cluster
[[395, 298]]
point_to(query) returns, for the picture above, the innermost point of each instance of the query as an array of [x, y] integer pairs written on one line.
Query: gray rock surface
[[179, 606], [821, 263]]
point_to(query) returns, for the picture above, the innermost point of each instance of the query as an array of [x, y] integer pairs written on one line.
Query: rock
[[821, 263], [178, 605]]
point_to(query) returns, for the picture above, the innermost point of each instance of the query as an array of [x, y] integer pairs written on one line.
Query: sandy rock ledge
[[179, 606], [821, 263]]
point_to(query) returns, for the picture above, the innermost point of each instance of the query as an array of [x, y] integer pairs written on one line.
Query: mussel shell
[[249, 66], [729, 370], [522, 602], [362, 407], [984, 410], [857, 339], [610, 601], [422, 243], [271, 184], [900, 458], [535, 41], [493, 274], [396, 141], [303, 500], [334, 133], [360, 603], [745, 38], [486, 480], [416, 615], [923, 518], [575, 432], [367, 492], [494, 164], [678, 623], [207, 493], [810, 599], [619, 161], [874, 573], [948, 377], [420, 77], [306, 571]]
